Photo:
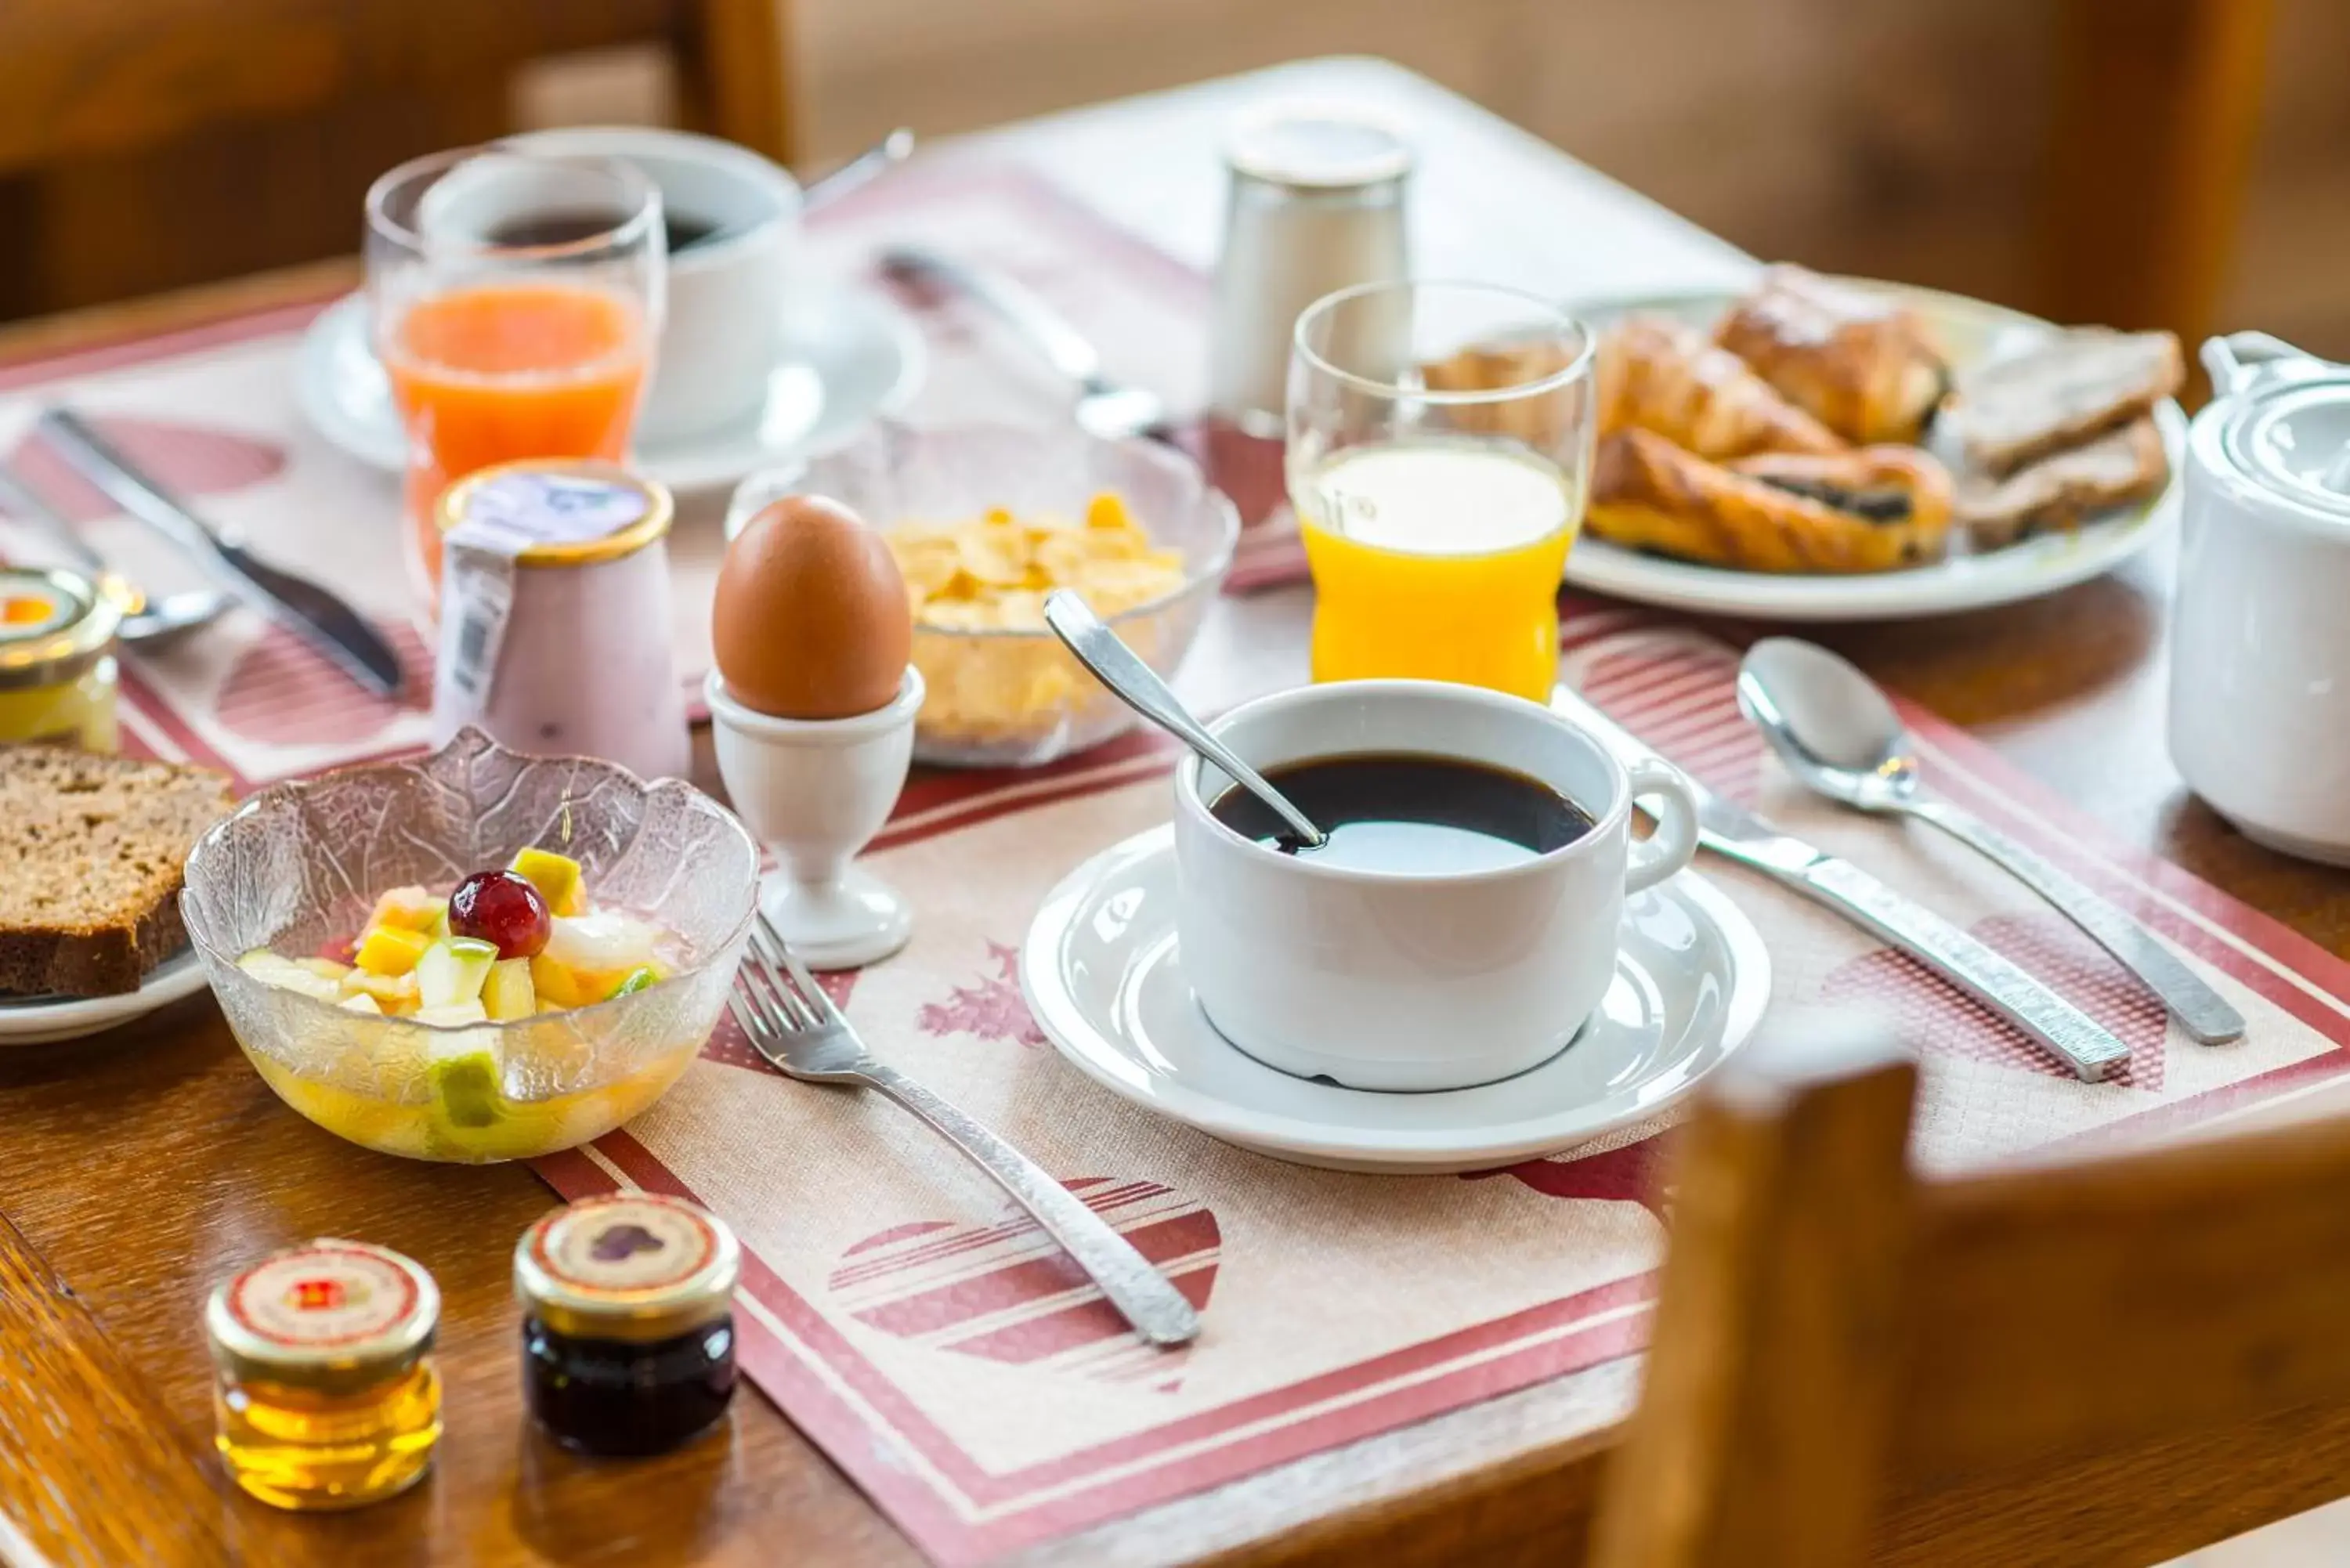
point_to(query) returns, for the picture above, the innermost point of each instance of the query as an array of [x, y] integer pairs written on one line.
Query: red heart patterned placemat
[[983, 1393]]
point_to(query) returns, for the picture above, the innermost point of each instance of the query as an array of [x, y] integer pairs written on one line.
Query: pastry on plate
[[91, 850], [2076, 385], [1537, 419], [2114, 469], [1863, 366], [1663, 375], [1869, 510]]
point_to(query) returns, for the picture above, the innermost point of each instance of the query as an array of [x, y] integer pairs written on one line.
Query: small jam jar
[[57, 659], [628, 1333], [326, 1395], [555, 620]]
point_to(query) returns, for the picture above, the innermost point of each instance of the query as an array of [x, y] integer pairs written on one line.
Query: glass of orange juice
[[1439, 449], [513, 300]]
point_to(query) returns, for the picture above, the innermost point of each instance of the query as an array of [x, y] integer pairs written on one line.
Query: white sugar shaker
[[1316, 204]]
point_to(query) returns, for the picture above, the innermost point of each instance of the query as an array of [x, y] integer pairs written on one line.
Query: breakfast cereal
[[971, 577]]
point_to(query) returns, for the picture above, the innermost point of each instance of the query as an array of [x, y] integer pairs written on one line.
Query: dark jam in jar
[[628, 1328], [610, 1397]]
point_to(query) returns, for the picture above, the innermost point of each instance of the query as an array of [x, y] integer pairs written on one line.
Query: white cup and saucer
[[759, 359], [1371, 1018]]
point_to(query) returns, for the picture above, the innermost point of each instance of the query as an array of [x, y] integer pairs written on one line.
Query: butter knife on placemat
[[339, 633], [1736, 834]]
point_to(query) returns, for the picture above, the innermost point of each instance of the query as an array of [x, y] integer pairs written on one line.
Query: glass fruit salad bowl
[[475, 955]]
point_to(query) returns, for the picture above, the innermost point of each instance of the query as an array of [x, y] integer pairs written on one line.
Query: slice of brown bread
[[2058, 492], [2060, 393], [91, 853]]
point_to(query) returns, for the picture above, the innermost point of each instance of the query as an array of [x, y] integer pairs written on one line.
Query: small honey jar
[[57, 675], [627, 1332], [326, 1395]]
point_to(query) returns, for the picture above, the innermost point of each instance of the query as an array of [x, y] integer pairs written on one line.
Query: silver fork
[[794, 1024]]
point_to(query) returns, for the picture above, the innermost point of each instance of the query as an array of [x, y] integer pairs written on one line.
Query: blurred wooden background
[[1903, 138]]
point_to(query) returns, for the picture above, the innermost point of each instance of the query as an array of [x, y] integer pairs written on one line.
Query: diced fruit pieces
[[557, 984], [463, 1072], [557, 879], [360, 1002], [451, 970], [391, 949], [454, 1015], [392, 993], [565, 986], [409, 909], [639, 979], [270, 969], [602, 939], [324, 968], [508, 993]]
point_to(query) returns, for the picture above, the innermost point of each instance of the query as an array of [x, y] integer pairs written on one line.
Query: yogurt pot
[[2259, 663], [555, 616]]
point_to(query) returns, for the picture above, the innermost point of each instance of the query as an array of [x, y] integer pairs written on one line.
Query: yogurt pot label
[[504, 517]]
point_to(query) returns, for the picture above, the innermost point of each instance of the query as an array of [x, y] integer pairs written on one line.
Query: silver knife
[[1736, 834], [309, 611]]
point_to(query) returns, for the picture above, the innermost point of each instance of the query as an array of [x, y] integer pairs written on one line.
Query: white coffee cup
[[723, 329], [1384, 980]]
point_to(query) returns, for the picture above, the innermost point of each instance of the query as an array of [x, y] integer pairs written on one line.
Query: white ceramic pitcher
[[2260, 683]]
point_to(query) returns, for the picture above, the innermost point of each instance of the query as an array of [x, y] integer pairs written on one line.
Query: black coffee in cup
[[1410, 812], [569, 228]]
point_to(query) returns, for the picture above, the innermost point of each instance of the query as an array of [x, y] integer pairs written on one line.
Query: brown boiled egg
[[812, 619]]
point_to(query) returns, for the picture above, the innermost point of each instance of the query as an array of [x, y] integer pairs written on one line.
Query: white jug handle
[[2232, 360], [1674, 842]]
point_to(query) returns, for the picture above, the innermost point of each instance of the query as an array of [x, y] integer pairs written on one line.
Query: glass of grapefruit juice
[[513, 299], [1439, 448]]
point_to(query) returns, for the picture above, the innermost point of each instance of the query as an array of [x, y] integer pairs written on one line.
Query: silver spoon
[[1840, 737], [878, 159], [1137, 685], [146, 624]]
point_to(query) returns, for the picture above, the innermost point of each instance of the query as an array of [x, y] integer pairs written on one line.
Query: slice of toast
[[2057, 491], [2079, 384], [91, 854]]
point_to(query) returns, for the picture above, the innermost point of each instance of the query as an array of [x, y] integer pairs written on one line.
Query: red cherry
[[502, 908]]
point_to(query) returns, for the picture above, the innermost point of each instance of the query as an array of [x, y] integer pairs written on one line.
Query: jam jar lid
[[330, 1315], [561, 512], [632, 1266], [2294, 438], [54, 625]]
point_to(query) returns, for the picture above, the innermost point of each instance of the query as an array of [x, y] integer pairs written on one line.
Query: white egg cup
[[814, 792]]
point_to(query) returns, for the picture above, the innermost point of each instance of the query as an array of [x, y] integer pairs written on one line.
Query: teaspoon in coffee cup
[[1136, 684], [1838, 734]]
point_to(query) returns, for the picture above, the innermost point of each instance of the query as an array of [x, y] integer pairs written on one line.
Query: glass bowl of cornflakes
[[985, 521]]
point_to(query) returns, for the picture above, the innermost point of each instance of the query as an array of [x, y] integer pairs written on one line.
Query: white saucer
[[849, 355], [1106, 985], [38, 1020]]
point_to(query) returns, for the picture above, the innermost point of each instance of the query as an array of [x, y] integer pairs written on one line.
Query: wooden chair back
[[2112, 1361], [150, 143]]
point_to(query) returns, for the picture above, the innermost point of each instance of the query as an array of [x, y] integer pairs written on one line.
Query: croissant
[[1660, 375], [1861, 365], [1541, 420], [1870, 510]]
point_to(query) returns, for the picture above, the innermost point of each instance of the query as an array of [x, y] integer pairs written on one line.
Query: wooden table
[[140, 1168]]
